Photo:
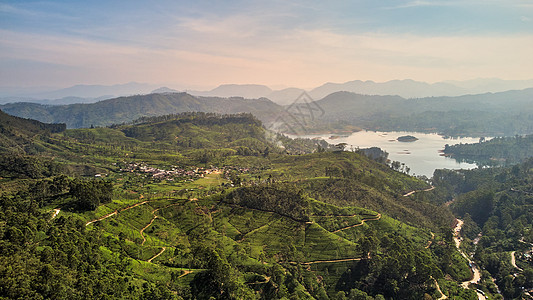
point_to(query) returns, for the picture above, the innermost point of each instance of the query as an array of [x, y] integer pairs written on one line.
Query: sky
[[202, 44]]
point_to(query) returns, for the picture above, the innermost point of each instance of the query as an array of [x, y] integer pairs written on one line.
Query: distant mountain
[[95, 91], [404, 88], [126, 109], [490, 114], [484, 85], [285, 96], [64, 100], [236, 90], [163, 90], [75, 94], [415, 89]]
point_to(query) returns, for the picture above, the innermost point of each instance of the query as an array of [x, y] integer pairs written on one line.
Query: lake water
[[421, 156]]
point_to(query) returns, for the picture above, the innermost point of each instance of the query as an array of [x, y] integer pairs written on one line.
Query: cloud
[[300, 46], [211, 54]]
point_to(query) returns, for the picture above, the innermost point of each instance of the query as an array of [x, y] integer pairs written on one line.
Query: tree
[[341, 146]]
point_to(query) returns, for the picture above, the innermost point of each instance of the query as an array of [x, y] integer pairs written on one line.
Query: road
[[477, 274], [160, 252], [142, 230], [377, 217], [412, 192], [115, 212], [440, 291], [329, 261], [513, 261]]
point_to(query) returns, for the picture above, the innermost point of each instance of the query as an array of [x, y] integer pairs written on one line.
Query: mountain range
[[490, 114], [126, 109], [405, 88]]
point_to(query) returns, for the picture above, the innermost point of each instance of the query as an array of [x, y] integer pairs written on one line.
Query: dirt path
[[185, 273], [135, 205], [255, 230], [412, 192], [153, 219], [513, 261], [116, 212], [477, 274], [430, 241], [329, 261], [141, 231], [440, 291], [126, 208], [56, 212], [155, 256], [101, 218], [338, 216], [377, 217]]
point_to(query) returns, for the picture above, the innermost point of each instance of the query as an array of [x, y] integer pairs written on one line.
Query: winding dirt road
[[185, 273], [477, 274], [142, 230], [329, 261], [513, 261], [101, 218], [116, 212], [412, 192], [440, 291], [377, 217], [155, 256]]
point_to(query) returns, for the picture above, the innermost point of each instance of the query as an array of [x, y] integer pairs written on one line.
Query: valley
[[199, 204], [265, 150]]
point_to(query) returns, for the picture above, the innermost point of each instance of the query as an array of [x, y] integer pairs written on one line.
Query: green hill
[[16, 132], [199, 205], [126, 109], [491, 114], [506, 150], [495, 204]]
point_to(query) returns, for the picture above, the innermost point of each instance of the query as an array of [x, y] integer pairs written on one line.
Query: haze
[[203, 44]]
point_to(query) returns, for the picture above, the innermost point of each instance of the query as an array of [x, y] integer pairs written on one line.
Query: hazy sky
[[201, 44]]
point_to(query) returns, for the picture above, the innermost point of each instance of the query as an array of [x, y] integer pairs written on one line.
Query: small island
[[407, 138]]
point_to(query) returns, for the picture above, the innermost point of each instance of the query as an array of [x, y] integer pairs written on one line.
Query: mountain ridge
[[126, 109], [407, 88]]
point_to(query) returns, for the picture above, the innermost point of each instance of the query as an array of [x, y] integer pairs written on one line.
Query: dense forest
[[495, 204], [201, 206], [496, 151]]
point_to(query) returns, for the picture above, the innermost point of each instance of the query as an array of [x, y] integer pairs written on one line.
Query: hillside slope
[[15, 132], [201, 205], [126, 109]]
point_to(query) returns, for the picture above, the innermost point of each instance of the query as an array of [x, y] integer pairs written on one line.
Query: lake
[[421, 156]]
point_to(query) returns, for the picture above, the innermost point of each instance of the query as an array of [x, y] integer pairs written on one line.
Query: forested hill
[[495, 204], [200, 206], [15, 131], [491, 114], [126, 109], [495, 151]]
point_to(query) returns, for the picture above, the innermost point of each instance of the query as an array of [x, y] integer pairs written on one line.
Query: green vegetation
[[407, 138], [492, 114], [495, 204], [497, 151], [200, 206], [127, 109]]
